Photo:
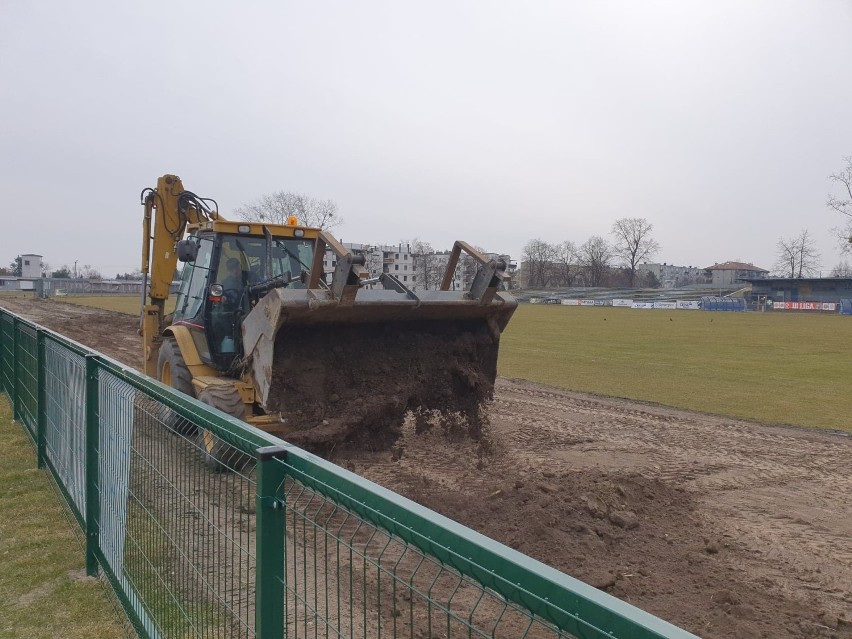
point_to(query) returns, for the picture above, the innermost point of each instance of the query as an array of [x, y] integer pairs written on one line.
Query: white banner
[[666, 305], [804, 306], [587, 302], [624, 303], [692, 305], [642, 305], [571, 302]]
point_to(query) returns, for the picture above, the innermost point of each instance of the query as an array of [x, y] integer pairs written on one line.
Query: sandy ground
[[726, 528]]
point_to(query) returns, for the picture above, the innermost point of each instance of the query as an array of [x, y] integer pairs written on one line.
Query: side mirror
[[187, 250]]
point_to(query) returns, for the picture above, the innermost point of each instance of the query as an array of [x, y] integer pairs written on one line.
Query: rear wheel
[[217, 455], [173, 371]]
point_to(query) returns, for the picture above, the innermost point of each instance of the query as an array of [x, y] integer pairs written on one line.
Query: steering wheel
[[232, 296]]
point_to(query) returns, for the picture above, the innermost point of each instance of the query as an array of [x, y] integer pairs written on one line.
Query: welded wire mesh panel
[[188, 549], [65, 417], [7, 375], [26, 389], [345, 577]]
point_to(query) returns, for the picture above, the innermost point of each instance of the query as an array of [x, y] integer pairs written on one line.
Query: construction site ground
[[723, 527]]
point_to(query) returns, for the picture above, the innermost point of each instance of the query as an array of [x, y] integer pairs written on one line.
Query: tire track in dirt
[[781, 496]]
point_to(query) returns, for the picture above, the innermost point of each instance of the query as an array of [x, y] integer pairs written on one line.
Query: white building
[[31, 265], [395, 259], [670, 275], [733, 273], [414, 271]]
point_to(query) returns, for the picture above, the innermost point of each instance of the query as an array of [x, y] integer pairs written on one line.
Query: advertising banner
[[642, 305], [571, 302], [587, 302], [623, 303], [666, 305], [689, 305], [804, 306]]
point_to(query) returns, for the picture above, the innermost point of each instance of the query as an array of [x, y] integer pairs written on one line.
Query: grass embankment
[[769, 367], [129, 304], [43, 588]]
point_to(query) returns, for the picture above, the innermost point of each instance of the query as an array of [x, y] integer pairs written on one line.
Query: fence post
[[271, 520], [93, 505], [13, 394], [41, 366]]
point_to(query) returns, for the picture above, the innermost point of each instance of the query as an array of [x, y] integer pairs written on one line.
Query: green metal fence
[[260, 538]]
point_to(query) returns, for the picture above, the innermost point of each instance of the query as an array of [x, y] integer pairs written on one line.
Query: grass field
[[43, 588], [769, 367], [129, 304]]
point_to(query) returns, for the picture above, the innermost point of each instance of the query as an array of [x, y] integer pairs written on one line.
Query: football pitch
[[781, 368]]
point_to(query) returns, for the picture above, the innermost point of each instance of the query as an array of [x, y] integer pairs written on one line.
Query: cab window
[[193, 287], [290, 256]]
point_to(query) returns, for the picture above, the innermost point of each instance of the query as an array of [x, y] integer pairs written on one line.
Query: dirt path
[[727, 528], [113, 334]]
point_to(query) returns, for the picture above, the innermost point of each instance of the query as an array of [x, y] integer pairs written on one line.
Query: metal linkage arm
[[347, 276], [488, 278]]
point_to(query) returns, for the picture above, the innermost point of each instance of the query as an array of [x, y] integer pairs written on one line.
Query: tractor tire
[[218, 456], [173, 371]]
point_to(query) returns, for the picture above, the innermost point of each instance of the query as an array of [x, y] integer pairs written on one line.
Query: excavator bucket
[[348, 363]]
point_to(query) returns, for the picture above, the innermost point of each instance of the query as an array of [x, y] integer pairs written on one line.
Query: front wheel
[[173, 371], [217, 455]]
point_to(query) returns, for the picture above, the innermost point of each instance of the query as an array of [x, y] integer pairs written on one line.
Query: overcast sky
[[493, 122]]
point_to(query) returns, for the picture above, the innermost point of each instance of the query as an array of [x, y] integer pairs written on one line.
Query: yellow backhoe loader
[[260, 333]]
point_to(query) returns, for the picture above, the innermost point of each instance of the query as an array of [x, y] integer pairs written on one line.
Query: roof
[[768, 281], [736, 266]]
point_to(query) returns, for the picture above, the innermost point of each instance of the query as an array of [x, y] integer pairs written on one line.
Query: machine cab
[[230, 272]]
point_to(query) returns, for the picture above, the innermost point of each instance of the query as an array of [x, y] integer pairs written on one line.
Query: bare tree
[[797, 256], [276, 207], [427, 265], [538, 258], [842, 269], [633, 242], [467, 267], [373, 260], [595, 257], [88, 272], [843, 204], [565, 266]]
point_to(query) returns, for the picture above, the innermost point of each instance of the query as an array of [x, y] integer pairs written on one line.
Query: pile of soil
[[357, 383], [634, 536]]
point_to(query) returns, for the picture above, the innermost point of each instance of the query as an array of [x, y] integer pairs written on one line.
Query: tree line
[[598, 262], [798, 257], [16, 269], [595, 262]]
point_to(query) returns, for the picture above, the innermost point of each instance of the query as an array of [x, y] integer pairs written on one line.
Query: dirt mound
[[575, 521], [339, 383]]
